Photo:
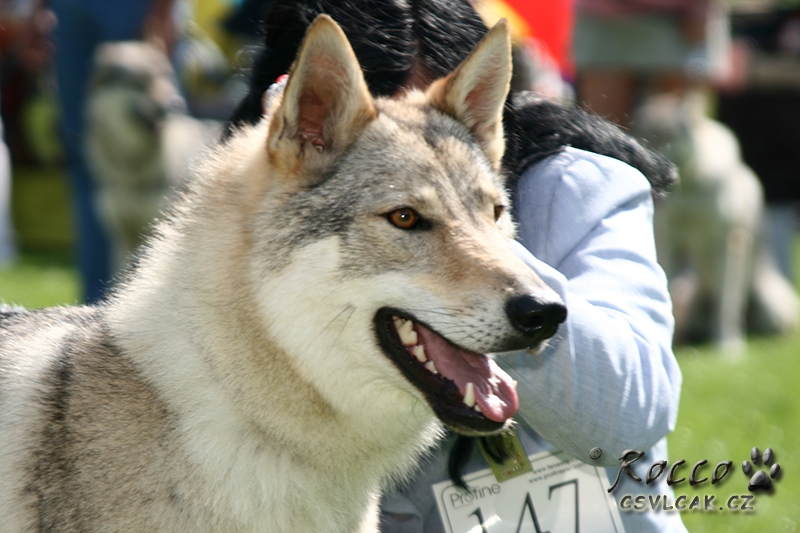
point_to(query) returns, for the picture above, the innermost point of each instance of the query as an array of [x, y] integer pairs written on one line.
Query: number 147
[[528, 518]]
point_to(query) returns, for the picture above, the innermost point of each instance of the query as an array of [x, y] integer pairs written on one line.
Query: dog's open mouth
[[468, 391]]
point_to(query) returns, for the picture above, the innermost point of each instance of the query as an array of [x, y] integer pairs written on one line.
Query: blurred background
[[105, 105]]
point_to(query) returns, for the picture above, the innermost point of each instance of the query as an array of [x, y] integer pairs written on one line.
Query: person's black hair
[[380, 32], [389, 37], [537, 128], [445, 32]]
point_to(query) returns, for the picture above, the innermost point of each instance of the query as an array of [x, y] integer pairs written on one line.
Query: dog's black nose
[[534, 318]]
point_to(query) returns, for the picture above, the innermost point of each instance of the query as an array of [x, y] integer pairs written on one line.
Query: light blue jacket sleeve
[[609, 378]]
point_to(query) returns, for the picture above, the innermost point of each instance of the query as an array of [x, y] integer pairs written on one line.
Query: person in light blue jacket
[[608, 381], [611, 378]]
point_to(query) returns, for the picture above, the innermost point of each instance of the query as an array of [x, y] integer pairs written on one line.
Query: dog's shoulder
[[18, 323], [72, 403], [49, 344], [17, 320]]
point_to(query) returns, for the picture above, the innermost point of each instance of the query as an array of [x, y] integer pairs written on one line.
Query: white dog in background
[[723, 279], [140, 141]]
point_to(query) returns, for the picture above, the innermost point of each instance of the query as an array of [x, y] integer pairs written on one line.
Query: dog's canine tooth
[[407, 334], [431, 367], [419, 353], [514, 383], [477, 408], [469, 395]]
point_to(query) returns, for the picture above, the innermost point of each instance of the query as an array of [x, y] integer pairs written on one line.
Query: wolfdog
[[316, 308], [723, 280], [140, 140]]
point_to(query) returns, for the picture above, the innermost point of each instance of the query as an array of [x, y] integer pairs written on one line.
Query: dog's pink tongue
[[495, 393]]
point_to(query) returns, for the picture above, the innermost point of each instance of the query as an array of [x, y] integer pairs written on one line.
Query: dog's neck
[[247, 405]]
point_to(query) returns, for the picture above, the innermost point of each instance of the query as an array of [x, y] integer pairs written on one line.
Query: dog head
[[389, 239], [133, 86]]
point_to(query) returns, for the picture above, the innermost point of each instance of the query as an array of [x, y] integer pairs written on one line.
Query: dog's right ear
[[325, 106]]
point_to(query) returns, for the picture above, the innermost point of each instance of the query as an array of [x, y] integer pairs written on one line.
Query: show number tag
[[559, 495]]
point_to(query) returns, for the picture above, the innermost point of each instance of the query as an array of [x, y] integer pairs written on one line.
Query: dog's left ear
[[475, 93], [325, 106]]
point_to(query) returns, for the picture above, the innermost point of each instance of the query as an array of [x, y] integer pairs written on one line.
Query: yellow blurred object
[[208, 15], [493, 10]]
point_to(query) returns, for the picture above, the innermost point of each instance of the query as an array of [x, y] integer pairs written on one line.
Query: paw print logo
[[761, 481]]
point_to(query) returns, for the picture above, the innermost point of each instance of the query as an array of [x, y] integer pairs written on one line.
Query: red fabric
[[551, 23]]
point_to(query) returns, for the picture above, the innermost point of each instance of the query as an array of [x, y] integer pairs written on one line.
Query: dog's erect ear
[[325, 106], [475, 93]]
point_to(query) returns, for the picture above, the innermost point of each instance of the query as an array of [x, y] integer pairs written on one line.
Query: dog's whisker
[[350, 308], [438, 309]]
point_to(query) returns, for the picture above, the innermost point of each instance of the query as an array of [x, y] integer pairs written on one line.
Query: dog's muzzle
[[468, 391]]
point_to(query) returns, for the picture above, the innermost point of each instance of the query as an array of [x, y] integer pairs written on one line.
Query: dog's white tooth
[[405, 324], [407, 334], [431, 367], [477, 408], [410, 338], [397, 321], [469, 395], [514, 383], [419, 353]]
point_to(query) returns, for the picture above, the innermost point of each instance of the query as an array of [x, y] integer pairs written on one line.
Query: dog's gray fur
[[234, 382]]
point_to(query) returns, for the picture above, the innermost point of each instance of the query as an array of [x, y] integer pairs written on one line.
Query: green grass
[[43, 275], [41, 210], [728, 404], [39, 280]]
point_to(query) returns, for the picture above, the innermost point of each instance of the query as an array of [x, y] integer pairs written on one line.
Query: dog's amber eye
[[404, 218], [498, 212]]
